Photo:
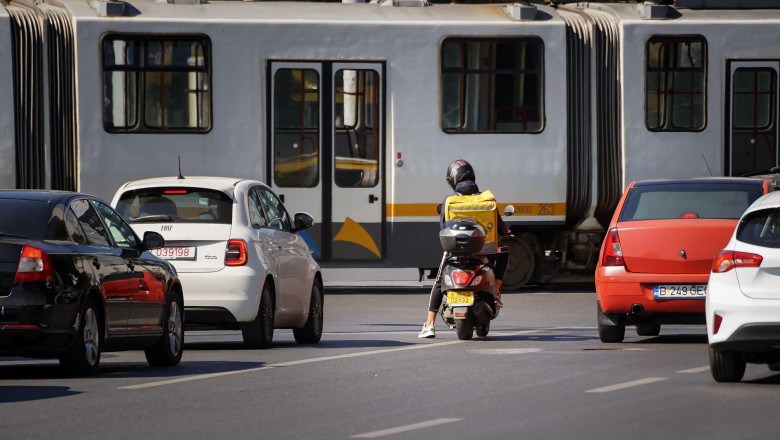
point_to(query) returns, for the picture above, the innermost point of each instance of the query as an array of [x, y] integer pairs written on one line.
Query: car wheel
[[774, 366], [464, 328], [648, 329], [83, 356], [168, 350], [726, 366], [611, 329], [311, 332], [260, 332]]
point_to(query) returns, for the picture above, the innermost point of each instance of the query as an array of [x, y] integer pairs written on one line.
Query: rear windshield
[[177, 205], [18, 217], [700, 200], [761, 228]]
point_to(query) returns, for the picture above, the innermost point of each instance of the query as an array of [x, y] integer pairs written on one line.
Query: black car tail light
[[34, 266], [235, 253]]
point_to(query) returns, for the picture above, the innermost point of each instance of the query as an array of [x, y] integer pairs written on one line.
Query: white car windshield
[[176, 205]]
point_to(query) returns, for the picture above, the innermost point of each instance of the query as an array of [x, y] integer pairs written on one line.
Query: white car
[[240, 257], [743, 294]]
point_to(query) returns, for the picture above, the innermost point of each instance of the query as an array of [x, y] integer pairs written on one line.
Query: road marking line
[[405, 428], [633, 383], [695, 370], [284, 364], [299, 362]]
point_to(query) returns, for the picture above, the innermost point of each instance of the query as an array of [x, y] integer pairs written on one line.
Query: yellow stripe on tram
[[521, 209]]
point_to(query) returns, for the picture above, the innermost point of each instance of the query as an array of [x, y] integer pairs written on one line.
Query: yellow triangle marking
[[352, 232]]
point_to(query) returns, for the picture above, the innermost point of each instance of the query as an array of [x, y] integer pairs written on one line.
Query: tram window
[[296, 128], [156, 84], [356, 128], [753, 120], [492, 85], [675, 83]]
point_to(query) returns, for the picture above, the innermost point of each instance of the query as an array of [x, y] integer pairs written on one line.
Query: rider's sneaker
[[427, 332]]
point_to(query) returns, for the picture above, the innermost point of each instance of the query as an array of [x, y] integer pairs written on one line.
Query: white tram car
[[352, 111]]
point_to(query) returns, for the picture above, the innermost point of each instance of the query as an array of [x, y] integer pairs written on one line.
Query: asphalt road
[[541, 373]]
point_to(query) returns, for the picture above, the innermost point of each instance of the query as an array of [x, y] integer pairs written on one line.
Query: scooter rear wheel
[[482, 330]]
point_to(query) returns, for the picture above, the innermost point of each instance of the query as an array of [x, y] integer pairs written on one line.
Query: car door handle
[[372, 198], [96, 263]]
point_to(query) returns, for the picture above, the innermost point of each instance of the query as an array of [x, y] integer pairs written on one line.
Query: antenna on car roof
[[180, 176], [702, 156]]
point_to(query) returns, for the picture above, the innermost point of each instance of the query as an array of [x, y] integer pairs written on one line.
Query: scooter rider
[[460, 176]]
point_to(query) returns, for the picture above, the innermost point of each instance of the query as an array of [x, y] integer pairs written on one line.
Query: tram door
[[753, 134], [326, 145]]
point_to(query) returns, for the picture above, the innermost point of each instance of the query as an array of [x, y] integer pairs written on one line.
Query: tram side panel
[[223, 137], [694, 138], [527, 169], [7, 149]]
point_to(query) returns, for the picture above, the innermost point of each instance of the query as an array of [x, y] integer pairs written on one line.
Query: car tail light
[[34, 266], [717, 319], [235, 253], [461, 277], [689, 215], [727, 260], [613, 253]]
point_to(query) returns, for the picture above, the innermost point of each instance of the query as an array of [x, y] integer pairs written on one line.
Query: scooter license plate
[[455, 298]]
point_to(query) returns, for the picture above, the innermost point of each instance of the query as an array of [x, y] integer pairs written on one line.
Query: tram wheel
[[521, 263]]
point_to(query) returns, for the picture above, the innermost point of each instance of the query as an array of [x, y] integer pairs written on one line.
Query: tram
[[352, 111]]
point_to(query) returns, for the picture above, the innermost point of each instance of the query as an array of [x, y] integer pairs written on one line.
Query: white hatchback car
[[743, 294], [238, 253]]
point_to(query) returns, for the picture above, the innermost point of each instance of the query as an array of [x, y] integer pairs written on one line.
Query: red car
[[658, 251]]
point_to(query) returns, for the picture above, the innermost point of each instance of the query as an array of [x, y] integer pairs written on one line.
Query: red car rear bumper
[[618, 290]]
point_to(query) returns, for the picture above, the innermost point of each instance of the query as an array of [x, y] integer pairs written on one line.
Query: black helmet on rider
[[459, 171]]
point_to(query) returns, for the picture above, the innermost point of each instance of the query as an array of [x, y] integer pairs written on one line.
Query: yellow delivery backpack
[[481, 207]]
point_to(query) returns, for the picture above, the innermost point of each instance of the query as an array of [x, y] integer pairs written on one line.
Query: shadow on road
[[773, 379], [113, 370], [28, 393], [674, 339]]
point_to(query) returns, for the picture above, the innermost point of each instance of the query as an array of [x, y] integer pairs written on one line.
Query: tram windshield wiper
[[152, 219]]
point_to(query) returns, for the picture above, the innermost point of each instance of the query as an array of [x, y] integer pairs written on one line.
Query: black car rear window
[[177, 205], [19, 217], [699, 200], [761, 228]]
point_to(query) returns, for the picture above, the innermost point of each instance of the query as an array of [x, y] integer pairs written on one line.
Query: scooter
[[467, 278]]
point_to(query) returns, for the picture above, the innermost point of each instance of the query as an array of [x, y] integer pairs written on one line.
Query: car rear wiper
[[152, 219]]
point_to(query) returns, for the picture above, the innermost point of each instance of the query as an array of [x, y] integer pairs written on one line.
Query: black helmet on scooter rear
[[459, 171]]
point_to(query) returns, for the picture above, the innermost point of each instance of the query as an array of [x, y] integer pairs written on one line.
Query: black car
[[75, 280]]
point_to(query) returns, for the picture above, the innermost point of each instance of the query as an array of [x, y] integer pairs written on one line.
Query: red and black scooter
[[467, 278]]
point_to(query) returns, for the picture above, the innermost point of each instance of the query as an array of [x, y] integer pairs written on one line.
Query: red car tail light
[[613, 253], [235, 253], [727, 260], [461, 277], [34, 266]]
